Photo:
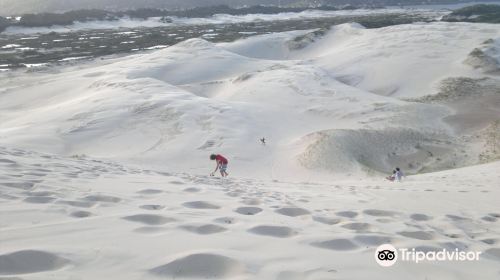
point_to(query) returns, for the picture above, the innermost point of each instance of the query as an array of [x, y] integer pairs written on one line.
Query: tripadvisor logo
[[387, 255]]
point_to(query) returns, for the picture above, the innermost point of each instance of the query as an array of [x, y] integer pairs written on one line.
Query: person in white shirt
[[399, 174]]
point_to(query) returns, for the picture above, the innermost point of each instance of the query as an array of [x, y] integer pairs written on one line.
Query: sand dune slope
[[90, 218], [339, 102]]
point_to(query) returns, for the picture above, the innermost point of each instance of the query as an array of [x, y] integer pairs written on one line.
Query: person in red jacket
[[221, 165]]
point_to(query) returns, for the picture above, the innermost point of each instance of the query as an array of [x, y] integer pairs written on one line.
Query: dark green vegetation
[[477, 13], [67, 18], [54, 47], [17, 7], [49, 19]]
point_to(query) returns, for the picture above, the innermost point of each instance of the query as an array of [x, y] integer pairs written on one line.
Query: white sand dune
[[104, 166], [326, 85], [301, 230]]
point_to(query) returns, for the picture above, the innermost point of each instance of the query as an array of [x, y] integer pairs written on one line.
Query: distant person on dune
[[221, 164], [397, 175]]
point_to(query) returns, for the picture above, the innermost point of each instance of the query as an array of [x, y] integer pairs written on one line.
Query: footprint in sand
[[149, 191], [41, 193], [41, 199], [176, 182], [251, 201], [380, 213], [336, 244], [489, 219], [81, 214], [200, 205], [225, 220], [293, 211], [20, 185], [204, 229], [7, 161], [192, 190], [102, 198], [274, 231], [152, 207], [357, 226], [453, 235], [489, 241], [9, 197], [93, 74], [347, 214], [149, 219], [456, 218], [326, 220], [248, 210], [200, 266], [385, 220], [30, 261], [234, 194], [76, 203], [420, 235], [34, 174], [420, 217]]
